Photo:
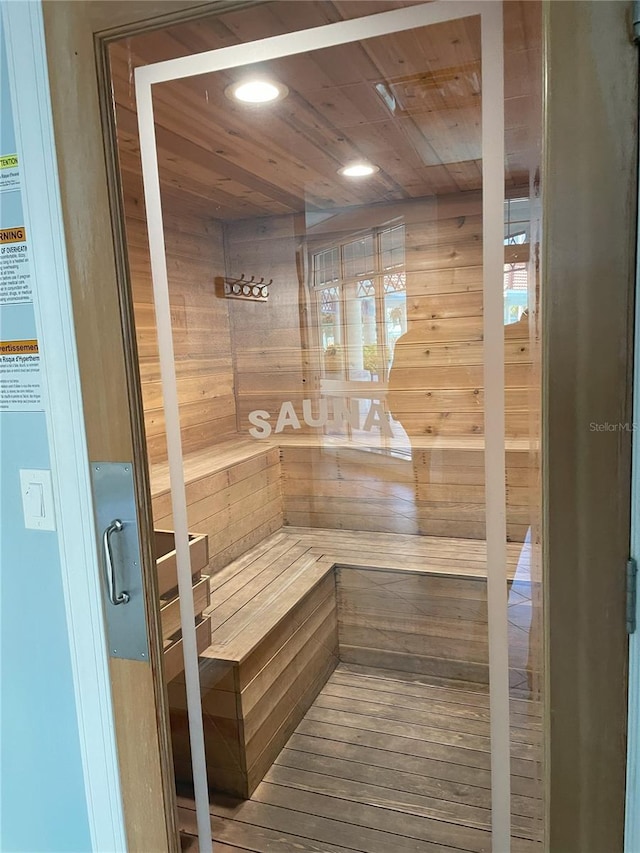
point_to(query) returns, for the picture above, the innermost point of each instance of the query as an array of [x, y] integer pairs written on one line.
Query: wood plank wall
[[442, 351], [431, 624], [273, 358], [450, 492], [415, 623], [347, 489], [436, 386], [235, 356], [439, 492], [201, 330]]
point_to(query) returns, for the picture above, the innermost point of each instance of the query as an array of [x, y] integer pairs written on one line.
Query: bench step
[[256, 591]]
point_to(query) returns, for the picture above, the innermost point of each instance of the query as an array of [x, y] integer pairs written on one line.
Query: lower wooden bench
[[274, 644], [285, 612]]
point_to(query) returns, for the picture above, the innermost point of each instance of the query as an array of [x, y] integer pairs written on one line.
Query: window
[[516, 291], [331, 326], [326, 268], [361, 293], [360, 285], [517, 217]]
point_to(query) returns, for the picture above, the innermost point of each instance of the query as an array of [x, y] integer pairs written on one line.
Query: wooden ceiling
[[423, 131]]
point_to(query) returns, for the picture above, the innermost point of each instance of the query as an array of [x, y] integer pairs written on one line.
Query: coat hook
[[247, 288]]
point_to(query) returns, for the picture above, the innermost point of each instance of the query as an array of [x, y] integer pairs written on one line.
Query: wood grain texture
[[274, 642], [438, 315], [269, 353], [279, 611], [334, 113], [166, 566], [174, 653], [269, 247], [586, 473], [233, 496], [350, 781], [237, 181], [435, 385], [137, 735], [170, 612], [439, 492], [195, 255], [431, 624]]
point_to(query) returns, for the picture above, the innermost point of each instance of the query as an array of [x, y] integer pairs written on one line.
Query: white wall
[[60, 786]]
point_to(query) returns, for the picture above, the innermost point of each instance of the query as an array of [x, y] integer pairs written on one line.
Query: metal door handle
[[114, 597]]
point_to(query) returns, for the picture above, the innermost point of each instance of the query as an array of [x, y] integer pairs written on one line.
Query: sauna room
[[324, 221]]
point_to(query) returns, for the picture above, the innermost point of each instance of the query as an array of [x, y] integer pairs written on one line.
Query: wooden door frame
[[590, 196], [589, 210], [75, 34]]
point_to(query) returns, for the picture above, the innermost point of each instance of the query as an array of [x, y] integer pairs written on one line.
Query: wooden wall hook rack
[[247, 288]]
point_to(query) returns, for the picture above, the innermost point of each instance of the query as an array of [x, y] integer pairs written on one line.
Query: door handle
[[120, 555], [114, 597]]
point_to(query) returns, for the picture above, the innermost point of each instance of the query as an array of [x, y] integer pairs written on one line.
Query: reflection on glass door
[[339, 426], [362, 279]]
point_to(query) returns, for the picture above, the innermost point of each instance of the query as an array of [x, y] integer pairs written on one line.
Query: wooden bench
[[285, 612], [289, 602], [274, 643], [419, 605], [243, 490], [234, 496]]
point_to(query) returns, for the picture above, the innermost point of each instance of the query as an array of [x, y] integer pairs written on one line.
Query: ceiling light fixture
[[360, 169], [256, 91]]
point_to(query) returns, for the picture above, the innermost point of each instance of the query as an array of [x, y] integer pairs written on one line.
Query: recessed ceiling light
[[257, 91], [358, 170]]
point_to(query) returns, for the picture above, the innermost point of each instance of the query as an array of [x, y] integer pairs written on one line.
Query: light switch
[[34, 498], [37, 499]]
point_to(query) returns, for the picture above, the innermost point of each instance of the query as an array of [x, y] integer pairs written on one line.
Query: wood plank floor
[[385, 762]]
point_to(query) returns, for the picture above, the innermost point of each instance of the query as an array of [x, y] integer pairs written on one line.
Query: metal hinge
[[632, 588]]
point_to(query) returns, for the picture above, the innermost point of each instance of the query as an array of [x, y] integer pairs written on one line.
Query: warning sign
[[15, 269], [19, 347], [20, 382], [13, 235], [9, 172]]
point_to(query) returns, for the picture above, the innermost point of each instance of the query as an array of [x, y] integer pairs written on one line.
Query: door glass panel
[[334, 429]]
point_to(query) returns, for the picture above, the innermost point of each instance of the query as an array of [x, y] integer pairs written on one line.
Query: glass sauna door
[[371, 190]]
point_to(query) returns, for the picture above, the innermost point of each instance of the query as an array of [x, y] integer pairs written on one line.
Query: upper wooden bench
[[243, 490], [234, 496]]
